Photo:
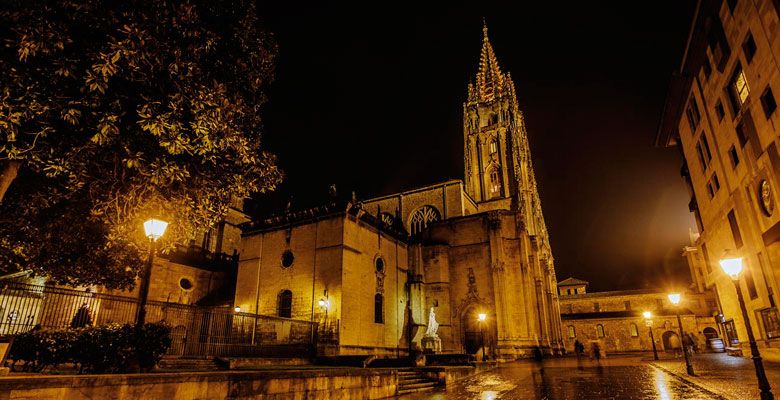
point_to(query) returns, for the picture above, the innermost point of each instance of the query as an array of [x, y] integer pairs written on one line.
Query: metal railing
[[196, 331]]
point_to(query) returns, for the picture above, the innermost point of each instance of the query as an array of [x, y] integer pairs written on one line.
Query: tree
[[115, 111]]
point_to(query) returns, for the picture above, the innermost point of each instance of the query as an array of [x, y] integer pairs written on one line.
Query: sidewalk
[[728, 376]]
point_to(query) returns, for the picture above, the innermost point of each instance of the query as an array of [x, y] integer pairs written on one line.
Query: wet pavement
[[732, 377], [613, 378]]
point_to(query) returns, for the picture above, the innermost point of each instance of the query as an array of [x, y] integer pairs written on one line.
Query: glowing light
[[662, 386], [324, 303], [155, 228], [647, 314], [732, 266], [482, 316], [237, 309], [674, 298]]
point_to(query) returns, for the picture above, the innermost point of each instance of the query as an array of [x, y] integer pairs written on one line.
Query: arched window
[[493, 146], [495, 183], [572, 332], [600, 330], [634, 330], [422, 217], [284, 304], [379, 312]]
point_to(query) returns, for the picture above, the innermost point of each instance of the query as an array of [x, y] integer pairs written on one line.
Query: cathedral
[[462, 266]]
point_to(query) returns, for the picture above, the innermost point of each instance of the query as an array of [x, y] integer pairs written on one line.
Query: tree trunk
[[8, 171]]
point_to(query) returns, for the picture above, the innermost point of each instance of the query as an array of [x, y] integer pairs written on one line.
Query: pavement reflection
[[613, 378]]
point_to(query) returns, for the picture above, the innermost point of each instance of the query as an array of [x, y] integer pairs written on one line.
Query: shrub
[[41, 349], [155, 340], [98, 349]]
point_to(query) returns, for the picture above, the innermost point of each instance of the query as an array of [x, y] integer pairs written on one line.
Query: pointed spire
[[490, 80]]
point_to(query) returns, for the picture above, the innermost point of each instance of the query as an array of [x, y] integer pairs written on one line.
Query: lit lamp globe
[[732, 266], [674, 298], [647, 314], [237, 309], [482, 316], [154, 228]]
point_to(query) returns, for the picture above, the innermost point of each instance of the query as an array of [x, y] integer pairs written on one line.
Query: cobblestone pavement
[[732, 377], [615, 378]]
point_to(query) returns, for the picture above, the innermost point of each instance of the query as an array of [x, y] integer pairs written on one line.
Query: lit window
[[493, 146], [634, 330], [572, 332], [738, 88], [495, 182], [600, 330]]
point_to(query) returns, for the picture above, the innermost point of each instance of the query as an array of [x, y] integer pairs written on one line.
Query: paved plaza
[[613, 378]]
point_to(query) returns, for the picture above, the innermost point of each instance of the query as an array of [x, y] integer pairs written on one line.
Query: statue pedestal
[[431, 344]]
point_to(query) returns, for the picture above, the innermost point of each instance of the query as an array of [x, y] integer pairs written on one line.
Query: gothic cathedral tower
[[497, 159]]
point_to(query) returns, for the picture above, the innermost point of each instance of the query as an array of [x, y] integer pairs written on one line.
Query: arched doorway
[[476, 333], [709, 333], [671, 341]]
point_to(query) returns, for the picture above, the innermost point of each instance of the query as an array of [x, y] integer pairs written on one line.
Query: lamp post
[[675, 298], [732, 266], [649, 324], [154, 228], [482, 317]]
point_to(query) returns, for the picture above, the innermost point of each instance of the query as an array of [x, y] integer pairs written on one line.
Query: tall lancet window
[[495, 183], [493, 146]]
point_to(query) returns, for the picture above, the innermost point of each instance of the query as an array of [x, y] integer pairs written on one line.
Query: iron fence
[[196, 331]]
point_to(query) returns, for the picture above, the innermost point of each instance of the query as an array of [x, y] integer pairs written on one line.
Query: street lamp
[[649, 323], [732, 266], [675, 298], [154, 228], [482, 317]]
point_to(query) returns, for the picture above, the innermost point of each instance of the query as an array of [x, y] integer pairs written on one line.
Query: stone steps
[[410, 381]]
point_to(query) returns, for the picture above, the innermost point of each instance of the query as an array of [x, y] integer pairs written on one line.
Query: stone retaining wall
[[336, 383]]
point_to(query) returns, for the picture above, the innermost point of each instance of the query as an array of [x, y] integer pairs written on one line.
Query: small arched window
[[284, 304], [379, 312], [634, 330], [572, 332], [600, 330]]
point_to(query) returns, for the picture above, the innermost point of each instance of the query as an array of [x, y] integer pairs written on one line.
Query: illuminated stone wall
[[722, 117]]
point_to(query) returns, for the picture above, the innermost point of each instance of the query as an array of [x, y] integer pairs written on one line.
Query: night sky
[[371, 99]]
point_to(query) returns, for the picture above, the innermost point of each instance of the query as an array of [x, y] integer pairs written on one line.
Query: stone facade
[[615, 319], [721, 115], [459, 248], [345, 272]]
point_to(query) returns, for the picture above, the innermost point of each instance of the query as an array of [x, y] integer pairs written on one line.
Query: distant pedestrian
[[595, 350], [82, 318], [579, 348], [538, 356]]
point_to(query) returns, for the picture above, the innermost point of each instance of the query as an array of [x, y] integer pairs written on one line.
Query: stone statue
[[433, 326]]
